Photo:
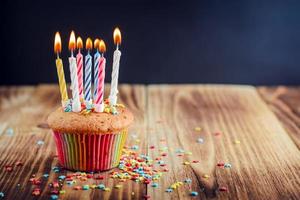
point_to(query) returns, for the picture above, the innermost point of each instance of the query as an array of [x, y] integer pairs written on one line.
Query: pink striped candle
[[99, 104], [79, 60]]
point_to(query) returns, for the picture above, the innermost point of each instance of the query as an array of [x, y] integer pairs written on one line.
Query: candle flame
[[117, 36], [79, 43], [89, 44], [57, 43], [102, 46], [72, 44], [96, 43]]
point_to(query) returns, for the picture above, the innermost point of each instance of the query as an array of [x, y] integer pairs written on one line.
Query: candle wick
[[71, 53], [117, 46], [79, 51], [57, 54]]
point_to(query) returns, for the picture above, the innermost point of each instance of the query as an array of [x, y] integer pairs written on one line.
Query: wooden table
[[256, 130]]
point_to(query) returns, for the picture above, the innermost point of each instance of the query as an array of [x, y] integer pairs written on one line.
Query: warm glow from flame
[[102, 47], [117, 36], [79, 43], [57, 43], [96, 43], [72, 44], [89, 44]]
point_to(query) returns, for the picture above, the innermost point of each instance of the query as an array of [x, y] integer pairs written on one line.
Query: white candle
[[76, 106], [115, 72]]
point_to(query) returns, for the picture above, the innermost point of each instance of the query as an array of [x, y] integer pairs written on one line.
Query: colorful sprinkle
[[85, 187], [40, 142], [54, 197], [205, 176], [200, 140], [193, 193], [188, 180], [223, 189], [227, 165], [118, 186], [155, 185], [101, 186], [169, 190], [10, 132], [237, 141], [62, 191], [1, 195], [197, 129]]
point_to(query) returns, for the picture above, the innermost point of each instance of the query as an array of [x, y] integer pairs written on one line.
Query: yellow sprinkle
[[93, 186], [137, 140], [120, 105], [206, 176], [197, 129], [237, 142], [107, 189], [173, 186], [118, 186], [188, 153], [186, 163], [107, 110], [62, 191]]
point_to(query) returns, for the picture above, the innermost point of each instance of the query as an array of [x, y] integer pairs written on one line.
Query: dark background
[[225, 41]]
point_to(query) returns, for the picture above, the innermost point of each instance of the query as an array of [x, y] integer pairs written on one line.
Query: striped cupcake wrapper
[[90, 152]]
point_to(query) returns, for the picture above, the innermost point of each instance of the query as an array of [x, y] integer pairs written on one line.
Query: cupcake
[[90, 141]]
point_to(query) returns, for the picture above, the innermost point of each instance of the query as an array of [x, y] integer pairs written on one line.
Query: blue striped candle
[[96, 68], [88, 77]]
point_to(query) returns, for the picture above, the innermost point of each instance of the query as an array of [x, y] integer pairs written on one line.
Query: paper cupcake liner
[[90, 152]]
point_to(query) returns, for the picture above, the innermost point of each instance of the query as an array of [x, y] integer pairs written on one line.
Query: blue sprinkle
[[40, 142], [200, 140], [85, 187], [188, 180], [10, 132], [154, 185], [45, 175], [101, 186], [70, 182], [179, 151], [135, 147], [193, 193], [61, 177], [227, 165], [54, 196], [1, 195], [169, 190]]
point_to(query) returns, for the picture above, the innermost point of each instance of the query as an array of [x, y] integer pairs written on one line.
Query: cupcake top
[[93, 122]]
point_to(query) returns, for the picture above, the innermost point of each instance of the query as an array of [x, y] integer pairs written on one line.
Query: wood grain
[[285, 103], [265, 165]]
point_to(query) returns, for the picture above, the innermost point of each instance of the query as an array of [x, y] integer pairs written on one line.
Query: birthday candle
[[79, 61], [99, 105], [88, 74], [60, 70], [96, 68], [115, 71], [76, 106]]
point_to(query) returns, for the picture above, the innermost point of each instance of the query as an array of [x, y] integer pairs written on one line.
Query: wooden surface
[[265, 164]]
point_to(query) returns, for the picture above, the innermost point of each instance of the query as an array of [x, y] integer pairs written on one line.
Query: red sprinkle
[[152, 147], [99, 177], [36, 192], [164, 154], [195, 161], [77, 187], [147, 181], [89, 175], [146, 197], [220, 164]]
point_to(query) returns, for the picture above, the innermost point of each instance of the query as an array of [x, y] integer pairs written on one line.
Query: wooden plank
[[25, 110], [285, 103], [265, 165]]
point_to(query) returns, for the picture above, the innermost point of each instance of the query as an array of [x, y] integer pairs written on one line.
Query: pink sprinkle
[[195, 161], [89, 175], [54, 192], [146, 197], [152, 147], [77, 187], [223, 189], [217, 133], [19, 163], [8, 168]]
